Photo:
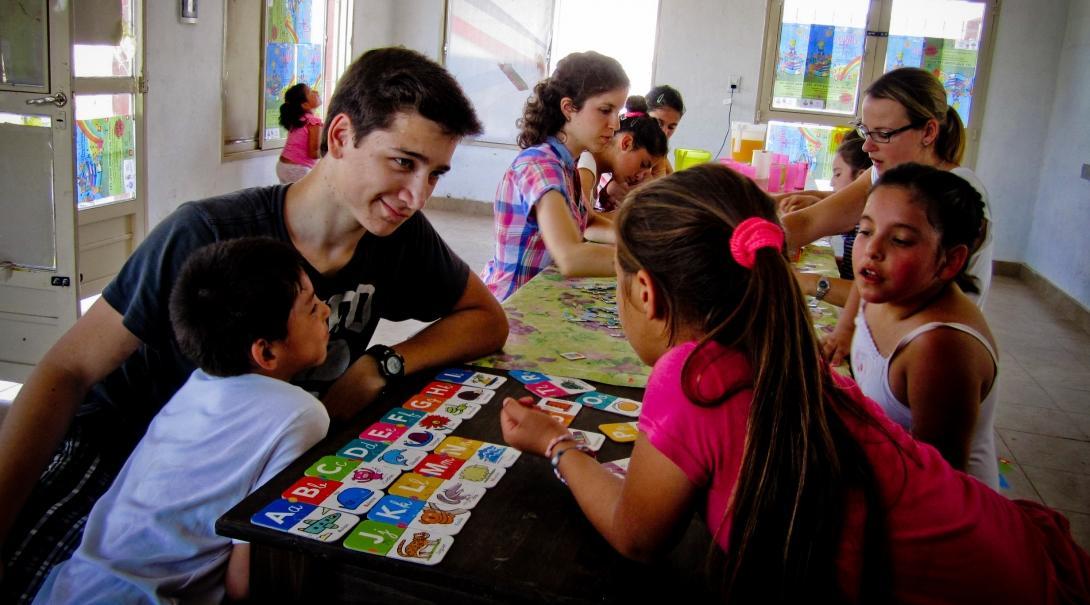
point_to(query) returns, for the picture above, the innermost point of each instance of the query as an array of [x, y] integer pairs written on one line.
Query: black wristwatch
[[390, 364], [823, 286]]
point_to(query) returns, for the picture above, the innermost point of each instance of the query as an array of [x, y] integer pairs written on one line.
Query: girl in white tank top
[[922, 349]]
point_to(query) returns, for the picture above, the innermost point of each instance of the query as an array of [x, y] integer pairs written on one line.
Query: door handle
[[59, 99]]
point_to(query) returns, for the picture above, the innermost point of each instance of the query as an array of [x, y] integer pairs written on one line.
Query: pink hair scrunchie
[[634, 114], [750, 236]]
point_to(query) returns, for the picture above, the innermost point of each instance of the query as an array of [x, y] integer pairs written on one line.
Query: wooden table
[[526, 540]]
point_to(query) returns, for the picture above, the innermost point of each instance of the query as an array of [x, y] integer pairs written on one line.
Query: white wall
[[1059, 240], [1018, 105], [183, 111]]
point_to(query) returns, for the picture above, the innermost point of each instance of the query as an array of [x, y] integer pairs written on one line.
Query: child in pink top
[[300, 152], [811, 493]]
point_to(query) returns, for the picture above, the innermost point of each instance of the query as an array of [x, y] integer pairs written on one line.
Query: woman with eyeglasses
[[905, 118]]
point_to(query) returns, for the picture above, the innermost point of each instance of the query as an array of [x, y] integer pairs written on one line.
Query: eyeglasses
[[881, 136]]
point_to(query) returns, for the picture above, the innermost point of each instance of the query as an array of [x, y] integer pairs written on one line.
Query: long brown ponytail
[[799, 459]]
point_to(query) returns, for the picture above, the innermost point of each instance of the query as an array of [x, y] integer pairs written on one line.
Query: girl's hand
[[795, 202], [526, 427], [838, 344], [616, 190]]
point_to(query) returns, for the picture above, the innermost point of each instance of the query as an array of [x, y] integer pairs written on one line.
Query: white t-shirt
[[151, 537], [980, 263]]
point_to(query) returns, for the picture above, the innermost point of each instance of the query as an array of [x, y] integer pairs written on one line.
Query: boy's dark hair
[[291, 110], [578, 76], [954, 208], [386, 81], [646, 133], [228, 295], [665, 96]]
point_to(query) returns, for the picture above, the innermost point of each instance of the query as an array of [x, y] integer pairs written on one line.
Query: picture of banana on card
[[562, 411], [611, 403], [470, 378]]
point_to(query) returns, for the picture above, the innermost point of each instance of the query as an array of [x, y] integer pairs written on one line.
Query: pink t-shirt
[[298, 144], [952, 539]]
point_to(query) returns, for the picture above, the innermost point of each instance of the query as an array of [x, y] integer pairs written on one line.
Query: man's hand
[[356, 389]]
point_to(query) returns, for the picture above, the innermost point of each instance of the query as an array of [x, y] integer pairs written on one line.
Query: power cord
[[730, 109]]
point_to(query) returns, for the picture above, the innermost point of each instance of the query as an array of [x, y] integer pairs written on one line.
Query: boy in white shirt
[[245, 312]]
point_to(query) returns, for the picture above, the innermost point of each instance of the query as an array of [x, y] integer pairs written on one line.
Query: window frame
[[549, 60], [874, 53], [336, 55]]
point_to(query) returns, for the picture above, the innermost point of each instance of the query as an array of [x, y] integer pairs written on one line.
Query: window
[[269, 47], [821, 54], [499, 51]]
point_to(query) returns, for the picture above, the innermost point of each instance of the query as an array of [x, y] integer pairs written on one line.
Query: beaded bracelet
[[565, 436], [555, 460]]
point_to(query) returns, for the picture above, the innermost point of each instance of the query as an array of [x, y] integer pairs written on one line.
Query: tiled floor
[[1043, 421]]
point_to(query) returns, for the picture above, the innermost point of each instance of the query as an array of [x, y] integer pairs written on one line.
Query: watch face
[[393, 366]]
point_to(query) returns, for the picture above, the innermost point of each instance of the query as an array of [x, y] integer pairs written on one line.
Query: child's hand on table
[[838, 344], [526, 427]]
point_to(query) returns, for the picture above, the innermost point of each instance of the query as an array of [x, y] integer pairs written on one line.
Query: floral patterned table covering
[[552, 316]]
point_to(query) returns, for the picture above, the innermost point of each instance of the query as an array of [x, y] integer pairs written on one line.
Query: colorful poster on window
[[279, 75], [105, 160], [959, 76], [294, 53], [794, 40], [308, 65], [844, 69], [819, 57], [808, 143], [904, 51]]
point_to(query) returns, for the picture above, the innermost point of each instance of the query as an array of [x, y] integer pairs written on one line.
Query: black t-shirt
[[409, 274]]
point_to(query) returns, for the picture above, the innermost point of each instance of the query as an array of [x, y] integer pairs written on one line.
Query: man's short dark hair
[[228, 295], [386, 81]]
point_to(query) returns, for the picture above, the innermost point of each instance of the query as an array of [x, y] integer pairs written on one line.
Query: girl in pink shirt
[[809, 491], [300, 152]]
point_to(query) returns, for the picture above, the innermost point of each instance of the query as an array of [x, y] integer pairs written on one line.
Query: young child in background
[[541, 217], [849, 162], [246, 313], [922, 349], [300, 151], [606, 176], [800, 478], [665, 105]]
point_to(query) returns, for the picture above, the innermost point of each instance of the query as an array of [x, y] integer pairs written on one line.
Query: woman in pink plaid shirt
[[541, 217]]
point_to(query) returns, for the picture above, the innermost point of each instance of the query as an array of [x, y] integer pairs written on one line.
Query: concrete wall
[[183, 111], [1059, 240]]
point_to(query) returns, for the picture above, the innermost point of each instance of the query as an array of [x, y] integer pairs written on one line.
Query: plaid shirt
[[520, 250]]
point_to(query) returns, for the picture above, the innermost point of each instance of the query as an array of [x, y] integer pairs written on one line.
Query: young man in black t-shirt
[[391, 130]]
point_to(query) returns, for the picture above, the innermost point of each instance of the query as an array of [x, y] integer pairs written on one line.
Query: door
[[38, 273]]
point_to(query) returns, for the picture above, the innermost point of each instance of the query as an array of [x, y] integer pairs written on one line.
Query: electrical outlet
[[736, 82]]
